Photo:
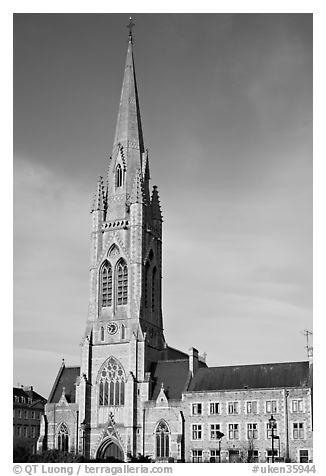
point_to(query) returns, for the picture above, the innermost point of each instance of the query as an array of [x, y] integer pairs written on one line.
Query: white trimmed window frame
[[196, 408], [273, 409], [299, 403], [231, 428], [300, 431], [235, 405], [254, 431], [197, 431], [249, 403], [214, 405]]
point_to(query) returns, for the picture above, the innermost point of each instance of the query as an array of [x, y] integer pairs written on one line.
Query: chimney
[[27, 388], [193, 360], [310, 355]]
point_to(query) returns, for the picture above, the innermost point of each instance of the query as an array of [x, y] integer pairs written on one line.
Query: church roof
[[170, 353], [66, 378], [276, 375], [173, 374]]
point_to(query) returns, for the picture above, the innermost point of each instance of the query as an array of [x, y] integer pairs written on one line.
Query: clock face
[[112, 328]]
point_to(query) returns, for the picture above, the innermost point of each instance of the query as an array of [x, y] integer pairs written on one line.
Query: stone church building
[[133, 394]]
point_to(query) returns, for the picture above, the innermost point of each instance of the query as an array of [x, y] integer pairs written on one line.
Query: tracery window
[[118, 176], [112, 384], [106, 284], [153, 289], [63, 438], [162, 440], [122, 282]]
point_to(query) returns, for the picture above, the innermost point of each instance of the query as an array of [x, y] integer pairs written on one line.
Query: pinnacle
[[156, 206], [138, 193], [99, 196]]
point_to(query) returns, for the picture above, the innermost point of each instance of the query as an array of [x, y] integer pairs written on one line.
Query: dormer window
[[118, 176]]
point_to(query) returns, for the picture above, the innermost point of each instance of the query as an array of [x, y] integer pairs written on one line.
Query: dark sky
[[226, 103]]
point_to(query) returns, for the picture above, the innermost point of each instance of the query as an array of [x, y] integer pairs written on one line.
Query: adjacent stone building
[[133, 394], [28, 410]]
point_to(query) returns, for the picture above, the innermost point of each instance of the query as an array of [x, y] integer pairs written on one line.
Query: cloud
[[51, 251]]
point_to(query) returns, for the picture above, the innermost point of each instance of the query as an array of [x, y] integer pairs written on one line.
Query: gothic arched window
[[123, 331], [122, 282], [112, 384], [118, 176], [102, 333], [106, 284], [162, 440], [146, 284], [153, 288], [63, 438]]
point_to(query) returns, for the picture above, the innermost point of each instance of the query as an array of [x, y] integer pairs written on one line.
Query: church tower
[[124, 329], [132, 392]]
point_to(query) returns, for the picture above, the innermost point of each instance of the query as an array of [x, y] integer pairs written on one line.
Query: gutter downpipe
[[144, 410], [287, 455], [77, 447]]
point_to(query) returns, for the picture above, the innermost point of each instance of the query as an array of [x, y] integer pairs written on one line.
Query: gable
[[66, 379]]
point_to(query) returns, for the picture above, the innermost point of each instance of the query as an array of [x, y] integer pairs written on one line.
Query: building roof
[[277, 375], [28, 392], [170, 353], [173, 374], [66, 379]]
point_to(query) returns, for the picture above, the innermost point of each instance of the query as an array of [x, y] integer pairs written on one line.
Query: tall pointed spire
[[129, 129]]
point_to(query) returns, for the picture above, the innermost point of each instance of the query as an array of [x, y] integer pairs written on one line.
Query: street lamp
[[272, 426], [83, 426], [219, 436]]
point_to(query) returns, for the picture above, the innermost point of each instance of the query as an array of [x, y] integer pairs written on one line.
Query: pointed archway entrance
[[110, 449]]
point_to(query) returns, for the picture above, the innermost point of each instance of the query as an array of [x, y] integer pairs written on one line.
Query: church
[[133, 394]]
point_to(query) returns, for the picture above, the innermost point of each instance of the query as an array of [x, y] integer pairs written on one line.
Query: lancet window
[[118, 176], [146, 297], [106, 284], [112, 384], [122, 282], [153, 289]]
